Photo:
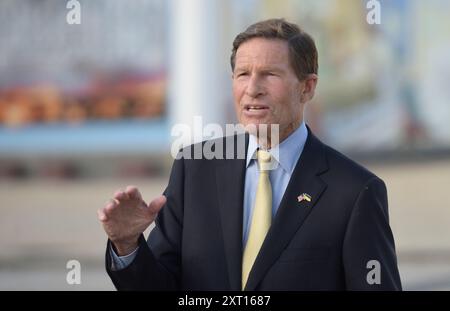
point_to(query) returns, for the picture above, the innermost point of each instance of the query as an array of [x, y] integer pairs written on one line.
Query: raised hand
[[126, 216]]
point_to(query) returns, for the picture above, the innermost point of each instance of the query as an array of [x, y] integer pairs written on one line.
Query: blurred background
[[86, 109]]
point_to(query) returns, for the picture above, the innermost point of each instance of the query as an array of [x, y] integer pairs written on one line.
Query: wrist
[[124, 248]]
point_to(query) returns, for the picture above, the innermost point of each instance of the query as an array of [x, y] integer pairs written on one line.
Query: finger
[[133, 192], [101, 215], [120, 195], [110, 205], [156, 205]]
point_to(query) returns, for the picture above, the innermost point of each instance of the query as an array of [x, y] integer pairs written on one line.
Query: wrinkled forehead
[[263, 52]]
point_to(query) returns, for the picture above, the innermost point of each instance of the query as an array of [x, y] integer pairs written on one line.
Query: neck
[[266, 142]]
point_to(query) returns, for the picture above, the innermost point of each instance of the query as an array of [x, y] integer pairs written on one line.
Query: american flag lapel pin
[[304, 197]]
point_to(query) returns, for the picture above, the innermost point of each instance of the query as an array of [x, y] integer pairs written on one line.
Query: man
[[316, 221]]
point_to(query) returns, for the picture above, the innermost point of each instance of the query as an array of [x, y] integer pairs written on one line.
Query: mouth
[[253, 111], [251, 108]]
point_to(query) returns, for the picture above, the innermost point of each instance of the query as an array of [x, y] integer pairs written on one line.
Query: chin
[[252, 126]]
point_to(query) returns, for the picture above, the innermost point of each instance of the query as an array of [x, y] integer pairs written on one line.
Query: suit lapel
[[291, 214], [230, 179]]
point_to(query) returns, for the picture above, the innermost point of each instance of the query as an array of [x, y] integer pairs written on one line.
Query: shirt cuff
[[121, 262]]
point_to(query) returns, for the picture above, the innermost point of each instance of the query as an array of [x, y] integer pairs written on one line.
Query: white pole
[[194, 62]]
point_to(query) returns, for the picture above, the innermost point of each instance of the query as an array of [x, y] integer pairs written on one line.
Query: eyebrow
[[261, 69]]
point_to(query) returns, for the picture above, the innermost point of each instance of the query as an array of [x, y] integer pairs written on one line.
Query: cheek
[[237, 93], [289, 104]]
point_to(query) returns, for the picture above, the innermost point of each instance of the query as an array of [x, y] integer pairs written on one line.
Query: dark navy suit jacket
[[324, 244]]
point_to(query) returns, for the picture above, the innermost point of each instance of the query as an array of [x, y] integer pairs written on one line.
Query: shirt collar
[[287, 152]]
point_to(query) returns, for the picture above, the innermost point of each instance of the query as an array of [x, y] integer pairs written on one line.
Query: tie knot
[[264, 160]]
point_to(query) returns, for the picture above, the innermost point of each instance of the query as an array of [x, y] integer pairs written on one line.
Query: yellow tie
[[262, 215]]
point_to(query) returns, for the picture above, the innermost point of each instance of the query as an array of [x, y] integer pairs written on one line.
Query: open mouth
[[255, 107]]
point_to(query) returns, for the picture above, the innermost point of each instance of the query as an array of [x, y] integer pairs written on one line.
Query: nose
[[254, 87]]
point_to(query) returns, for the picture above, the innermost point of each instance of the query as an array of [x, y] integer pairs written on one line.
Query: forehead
[[263, 52]]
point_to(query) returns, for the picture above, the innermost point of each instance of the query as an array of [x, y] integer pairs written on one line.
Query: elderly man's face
[[265, 87]]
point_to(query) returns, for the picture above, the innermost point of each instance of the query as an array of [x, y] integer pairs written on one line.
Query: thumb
[[155, 206]]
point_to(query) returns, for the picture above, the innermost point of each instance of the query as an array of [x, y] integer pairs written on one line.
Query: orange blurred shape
[[74, 112], [47, 103], [16, 108], [150, 99], [110, 107], [24, 105]]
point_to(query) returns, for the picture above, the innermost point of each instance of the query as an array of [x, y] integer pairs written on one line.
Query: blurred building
[[131, 70], [52, 71]]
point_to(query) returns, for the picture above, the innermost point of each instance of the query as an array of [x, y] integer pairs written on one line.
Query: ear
[[309, 87]]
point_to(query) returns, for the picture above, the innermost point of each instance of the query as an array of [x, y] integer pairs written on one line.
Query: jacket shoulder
[[346, 169]]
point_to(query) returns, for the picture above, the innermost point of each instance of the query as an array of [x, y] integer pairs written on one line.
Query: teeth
[[256, 108]]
